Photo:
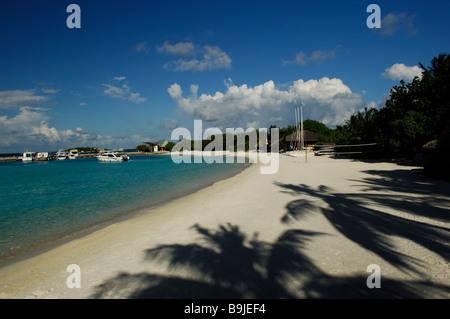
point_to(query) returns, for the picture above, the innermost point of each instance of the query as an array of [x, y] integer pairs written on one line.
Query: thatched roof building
[[311, 138]]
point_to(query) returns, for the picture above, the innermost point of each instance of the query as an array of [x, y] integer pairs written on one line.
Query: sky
[[133, 71]]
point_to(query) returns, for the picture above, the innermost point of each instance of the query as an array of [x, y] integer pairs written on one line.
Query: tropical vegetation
[[415, 119]]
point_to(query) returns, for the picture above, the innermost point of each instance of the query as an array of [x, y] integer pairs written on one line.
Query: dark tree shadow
[[370, 227], [405, 180], [354, 287], [225, 264], [427, 197], [255, 269], [154, 286], [228, 264]]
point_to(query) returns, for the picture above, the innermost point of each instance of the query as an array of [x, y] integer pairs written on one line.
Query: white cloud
[[206, 58], [175, 91], [326, 100], [18, 98], [136, 98], [399, 71], [142, 47], [123, 92], [302, 58], [30, 129], [321, 55], [178, 49], [397, 22], [169, 124], [49, 91], [81, 137], [113, 91], [30, 124], [47, 133]]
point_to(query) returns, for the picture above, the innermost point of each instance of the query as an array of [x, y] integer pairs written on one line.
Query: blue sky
[[136, 70]]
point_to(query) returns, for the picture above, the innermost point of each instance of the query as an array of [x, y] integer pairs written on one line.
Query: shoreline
[[116, 218], [19, 270], [313, 212]]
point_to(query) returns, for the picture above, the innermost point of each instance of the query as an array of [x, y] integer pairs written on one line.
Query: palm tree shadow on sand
[[225, 263], [369, 227], [363, 219]]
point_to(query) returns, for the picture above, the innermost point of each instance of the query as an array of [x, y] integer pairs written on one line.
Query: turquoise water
[[45, 202]]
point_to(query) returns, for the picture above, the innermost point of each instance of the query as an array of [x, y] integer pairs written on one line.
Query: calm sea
[[46, 202]]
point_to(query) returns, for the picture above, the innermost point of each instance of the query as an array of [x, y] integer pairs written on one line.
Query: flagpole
[[298, 129], [302, 141], [303, 136], [294, 134]]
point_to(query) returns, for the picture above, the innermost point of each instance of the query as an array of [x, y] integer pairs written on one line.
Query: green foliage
[[143, 148], [417, 112], [317, 127], [169, 146], [282, 133], [340, 135], [85, 149], [361, 126], [406, 132]]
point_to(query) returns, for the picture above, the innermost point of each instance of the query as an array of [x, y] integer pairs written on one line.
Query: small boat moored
[[42, 156], [61, 155], [73, 154], [27, 156], [112, 157]]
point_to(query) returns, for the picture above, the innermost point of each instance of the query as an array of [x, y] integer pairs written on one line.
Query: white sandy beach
[[308, 231]]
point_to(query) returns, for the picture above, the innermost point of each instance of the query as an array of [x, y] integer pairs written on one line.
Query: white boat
[[61, 155], [27, 156], [73, 154], [42, 156], [112, 157]]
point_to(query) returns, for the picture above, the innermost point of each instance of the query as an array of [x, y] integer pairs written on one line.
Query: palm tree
[[361, 125]]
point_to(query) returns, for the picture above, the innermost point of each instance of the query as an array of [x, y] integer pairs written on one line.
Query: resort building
[[154, 147], [162, 145], [311, 139]]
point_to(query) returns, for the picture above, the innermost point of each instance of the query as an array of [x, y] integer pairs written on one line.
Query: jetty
[[10, 158]]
